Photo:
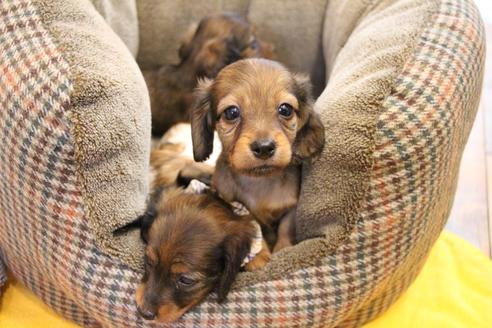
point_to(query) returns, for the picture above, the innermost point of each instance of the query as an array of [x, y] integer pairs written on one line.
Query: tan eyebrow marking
[[229, 100], [289, 98]]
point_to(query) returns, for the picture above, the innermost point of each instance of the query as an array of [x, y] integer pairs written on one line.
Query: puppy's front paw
[[260, 260]]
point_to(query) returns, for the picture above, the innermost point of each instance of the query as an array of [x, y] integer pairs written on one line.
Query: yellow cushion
[[454, 289], [20, 308]]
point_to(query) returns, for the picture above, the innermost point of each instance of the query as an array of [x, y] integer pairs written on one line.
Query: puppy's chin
[[262, 171], [246, 164], [170, 312]]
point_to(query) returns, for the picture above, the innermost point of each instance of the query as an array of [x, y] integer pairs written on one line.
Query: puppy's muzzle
[[263, 149]]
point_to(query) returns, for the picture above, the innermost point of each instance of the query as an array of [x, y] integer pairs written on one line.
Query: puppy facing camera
[[264, 118]]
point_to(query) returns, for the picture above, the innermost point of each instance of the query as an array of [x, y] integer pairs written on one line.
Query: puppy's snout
[[263, 149], [146, 313]]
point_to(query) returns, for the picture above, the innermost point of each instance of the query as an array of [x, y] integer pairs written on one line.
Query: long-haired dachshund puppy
[[216, 42], [265, 120], [195, 244]]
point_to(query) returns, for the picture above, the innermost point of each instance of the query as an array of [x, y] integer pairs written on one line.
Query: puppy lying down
[[196, 244]]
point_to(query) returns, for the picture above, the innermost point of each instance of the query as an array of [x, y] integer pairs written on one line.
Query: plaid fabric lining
[[39, 199], [47, 244]]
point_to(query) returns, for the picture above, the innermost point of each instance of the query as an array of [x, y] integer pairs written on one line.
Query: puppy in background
[[195, 244], [265, 120], [216, 42]]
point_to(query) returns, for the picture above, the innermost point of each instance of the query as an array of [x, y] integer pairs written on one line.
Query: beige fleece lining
[[121, 16], [111, 121], [363, 65]]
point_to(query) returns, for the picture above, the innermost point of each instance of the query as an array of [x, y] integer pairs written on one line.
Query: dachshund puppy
[[265, 120], [195, 244], [216, 42]]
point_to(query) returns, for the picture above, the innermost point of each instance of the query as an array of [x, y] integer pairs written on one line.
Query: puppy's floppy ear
[[233, 52], [202, 121], [146, 222], [310, 137], [236, 247], [186, 41]]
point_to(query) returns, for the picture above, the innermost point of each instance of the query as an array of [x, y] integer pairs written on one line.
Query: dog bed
[[398, 85], [452, 290]]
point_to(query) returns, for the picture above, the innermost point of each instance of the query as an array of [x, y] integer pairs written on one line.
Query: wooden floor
[[471, 216]]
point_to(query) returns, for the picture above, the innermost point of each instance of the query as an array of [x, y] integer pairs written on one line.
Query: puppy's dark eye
[[186, 281], [231, 113], [285, 110]]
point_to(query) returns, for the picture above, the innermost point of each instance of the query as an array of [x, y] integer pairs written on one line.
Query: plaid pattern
[[3, 275], [46, 242]]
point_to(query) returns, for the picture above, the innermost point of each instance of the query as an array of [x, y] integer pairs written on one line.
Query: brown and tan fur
[[171, 159], [195, 244], [171, 168], [208, 47], [267, 186]]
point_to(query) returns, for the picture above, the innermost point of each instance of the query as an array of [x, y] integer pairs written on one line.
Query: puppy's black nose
[[263, 149], [146, 314]]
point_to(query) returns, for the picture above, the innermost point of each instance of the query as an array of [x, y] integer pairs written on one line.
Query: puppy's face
[[263, 115], [220, 40], [193, 247], [257, 118]]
